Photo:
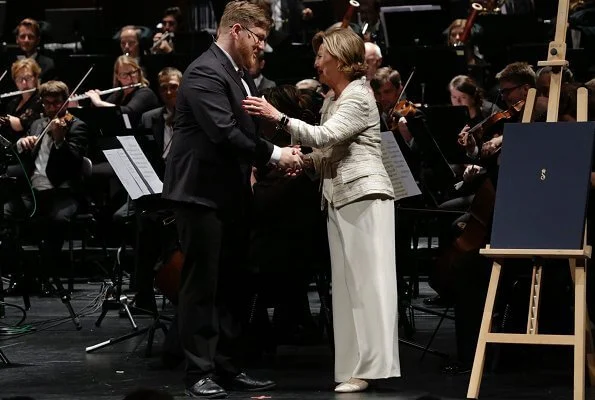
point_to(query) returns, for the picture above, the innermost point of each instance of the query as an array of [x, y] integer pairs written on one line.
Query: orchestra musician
[[514, 82], [172, 17], [151, 236], [25, 108], [260, 80], [130, 42], [54, 163], [207, 179], [133, 101], [28, 35], [373, 59], [357, 193]]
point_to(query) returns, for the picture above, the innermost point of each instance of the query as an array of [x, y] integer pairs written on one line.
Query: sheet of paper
[[126, 172], [133, 150], [127, 123], [400, 175]]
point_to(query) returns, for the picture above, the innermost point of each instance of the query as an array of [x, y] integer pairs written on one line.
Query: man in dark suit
[[28, 35], [259, 79], [55, 165], [214, 146]]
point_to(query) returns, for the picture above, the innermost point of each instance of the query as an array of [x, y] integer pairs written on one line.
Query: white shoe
[[352, 385]]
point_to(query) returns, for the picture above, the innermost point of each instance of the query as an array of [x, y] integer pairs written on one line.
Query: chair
[[80, 222]]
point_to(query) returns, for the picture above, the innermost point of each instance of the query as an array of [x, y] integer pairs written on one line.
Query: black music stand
[[444, 177], [141, 182], [446, 123]]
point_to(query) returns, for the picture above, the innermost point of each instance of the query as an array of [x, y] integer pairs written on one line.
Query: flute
[[16, 93], [101, 93]]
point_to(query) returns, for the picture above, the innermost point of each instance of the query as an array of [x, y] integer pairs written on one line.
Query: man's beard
[[248, 57]]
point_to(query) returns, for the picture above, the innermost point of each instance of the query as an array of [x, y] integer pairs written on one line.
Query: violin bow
[[3, 75], [64, 105], [406, 84]]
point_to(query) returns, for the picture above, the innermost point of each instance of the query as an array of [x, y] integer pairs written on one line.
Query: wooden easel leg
[[590, 348], [534, 297], [580, 298], [486, 323]]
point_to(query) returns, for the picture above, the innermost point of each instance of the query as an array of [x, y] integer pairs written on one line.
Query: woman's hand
[[94, 97], [260, 107]]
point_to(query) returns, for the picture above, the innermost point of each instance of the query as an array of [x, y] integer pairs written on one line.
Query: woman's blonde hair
[[347, 47], [26, 63], [125, 60]]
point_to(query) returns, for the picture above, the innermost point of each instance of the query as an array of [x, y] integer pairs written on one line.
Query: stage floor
[[53, 364]]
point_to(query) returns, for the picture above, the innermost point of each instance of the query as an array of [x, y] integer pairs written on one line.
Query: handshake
[[293, 161]]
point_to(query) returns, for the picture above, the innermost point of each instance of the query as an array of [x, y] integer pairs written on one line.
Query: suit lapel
[[228, 67]]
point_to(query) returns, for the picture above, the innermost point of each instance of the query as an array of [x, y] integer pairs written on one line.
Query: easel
[[581, 340]]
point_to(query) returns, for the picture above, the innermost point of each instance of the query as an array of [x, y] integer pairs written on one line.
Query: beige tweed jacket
[[348, 155]]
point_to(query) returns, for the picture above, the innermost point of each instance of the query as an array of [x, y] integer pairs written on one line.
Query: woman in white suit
[[359, 196]]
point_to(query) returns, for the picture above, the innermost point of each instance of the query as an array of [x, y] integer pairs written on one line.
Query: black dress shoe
[[206, 389], [243, 382], [435, 301]]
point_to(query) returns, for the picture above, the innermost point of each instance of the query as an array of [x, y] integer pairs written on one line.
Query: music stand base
[[4, 361], [157, 324]]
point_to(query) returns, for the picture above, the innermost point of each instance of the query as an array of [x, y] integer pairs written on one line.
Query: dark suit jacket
[[48, 67], [215, 142], [64, 163], [153, 121]]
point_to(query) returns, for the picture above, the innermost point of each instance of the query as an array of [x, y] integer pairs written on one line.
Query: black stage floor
[[53, 364]]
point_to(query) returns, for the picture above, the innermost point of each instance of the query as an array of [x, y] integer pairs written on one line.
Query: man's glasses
[[507, 91], [123, 75], [257, 38], [50, 103]]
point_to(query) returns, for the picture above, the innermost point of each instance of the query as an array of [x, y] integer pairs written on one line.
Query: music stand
[[401, 25], [544, 241], [432, 157], [446, 122], [141, 182]]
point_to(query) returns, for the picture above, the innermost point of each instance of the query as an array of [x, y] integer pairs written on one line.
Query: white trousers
[[362, 248]]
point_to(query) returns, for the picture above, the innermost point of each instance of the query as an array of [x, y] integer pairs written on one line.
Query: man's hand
[[471, 172], [291, 160], [467, 140], [490, 147], [164, 47], [58, 129], [27, 142], [4, 120]]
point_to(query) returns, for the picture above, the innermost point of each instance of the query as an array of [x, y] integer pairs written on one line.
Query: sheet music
[[133, 150], [400, 175], [126, 172]]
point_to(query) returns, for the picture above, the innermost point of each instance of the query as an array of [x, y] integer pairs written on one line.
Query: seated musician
[[172, 18], [387, 87], [514, 82], [153, 242], [373, 59], [54, 163], [25, 108], [131, 43], [28, 35], [133, 101]]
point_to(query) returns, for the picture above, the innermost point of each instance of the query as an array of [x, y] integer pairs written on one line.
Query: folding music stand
[[566, 240], [141, 182]]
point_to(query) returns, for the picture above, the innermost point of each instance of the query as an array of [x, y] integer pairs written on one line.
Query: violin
[[479, 130]]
